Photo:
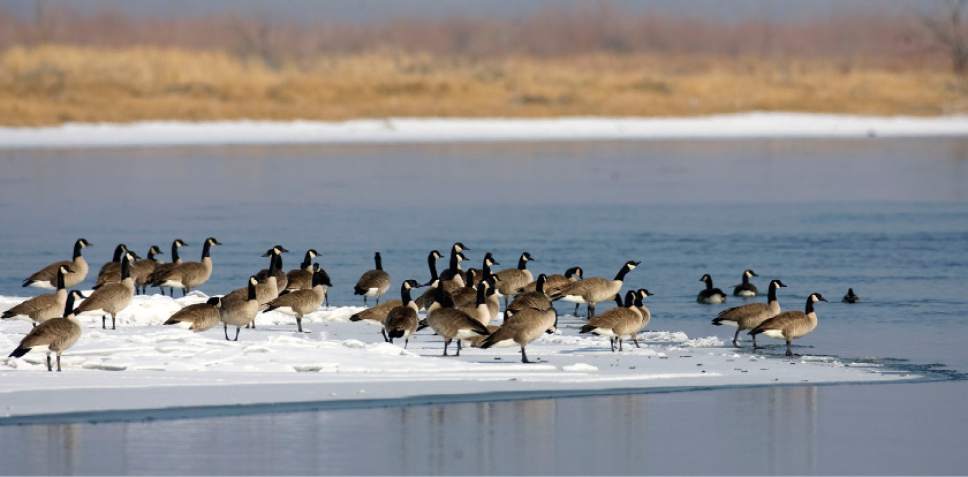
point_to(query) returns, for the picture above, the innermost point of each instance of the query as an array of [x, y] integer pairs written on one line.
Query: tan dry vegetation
[[55, 84]]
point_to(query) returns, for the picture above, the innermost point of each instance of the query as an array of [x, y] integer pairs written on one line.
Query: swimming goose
[[522, 328], [163, 268], [537, 299], [750, 315], [453, 277], [620, 322], [282, 280], [47, 276], [199, 317], [746, 289], [512, 280], [451, 323], [850, 297], [189, 275], [710, 295], [401, 321], [374, 282], [56, 335], [111, 298], [302, 277], [791, 325], [239, 313], [301, 302], [143, 268], [597, 289], [111, 271], [427, 298], [43, 307]]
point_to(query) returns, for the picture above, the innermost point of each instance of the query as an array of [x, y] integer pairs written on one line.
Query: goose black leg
[[113, 327], [524, 355], [576, 308], [789, 351], [58, 364], [299, 323], [49, 367], [611, 342], [635, 339], [237, 333], [620, 348], [458, 347], [446, 343], [755, 347], [406, 341], [104, 319], [736, 338], [385, 337], [226, 328]]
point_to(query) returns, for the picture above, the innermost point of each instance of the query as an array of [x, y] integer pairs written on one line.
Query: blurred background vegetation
[[66, 61]]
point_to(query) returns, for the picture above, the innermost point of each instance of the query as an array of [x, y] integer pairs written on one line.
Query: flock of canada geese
[[461, 305]]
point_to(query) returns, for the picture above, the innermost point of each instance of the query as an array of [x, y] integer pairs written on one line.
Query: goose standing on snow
[[510, 281], [266, 289], [791, 325], [555, 282], [710, 295], [302, 278], [522, 328], [163, 268], [189, 275], [199, 317], [44, 307], [373, 283], [850, 297], [746, 289], [453, 277], [620, 322], [56, 335], [427, 298], [467, 295], [537, 299], [111, 298], [142, 269], [47, 276], [240, 313], [301, 302], [282, 279], [110, 272], [401, 321], [750, 315], [597, 289], [451, 323]]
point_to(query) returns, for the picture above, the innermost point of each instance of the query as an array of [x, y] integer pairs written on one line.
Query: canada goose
[[555, 282], [522, 328], [43, 307], [537, 299], [302, 277], [301, 302], [111, 298], [266, 289], [451, 323], [188, 275], [746, 289], [142, 269], [111, 271], [850, 297], [282, 279], [478, 310], [791, 325], [199, 317], [401, 321], [467, 295], [597, 289], [47, 276], [424, 301], [373, 283], [56, 335], [644, 310], [750, 315], [453, 277], [163, 268], [620, 322], [710, 295], [377, 313], [239, 313], [512, 280]]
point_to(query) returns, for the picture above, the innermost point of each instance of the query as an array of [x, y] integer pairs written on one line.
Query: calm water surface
[[887, 217]]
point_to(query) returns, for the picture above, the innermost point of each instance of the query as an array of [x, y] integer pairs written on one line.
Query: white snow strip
[[431, 130], [338, 360]]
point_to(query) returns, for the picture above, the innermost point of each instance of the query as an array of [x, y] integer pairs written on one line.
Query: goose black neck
[[539, 286], [77, 249], [620, 276], [522, 263], [638, 300], [174, 252], [481, 295], [278, 258], [405, 295], [125, 268], [454, 263], [771, 295], [809, 307], [251, 295], [432, 264], [118, 251], [275, 263], [709, 283], [307, 261], [207, 249], [379, 261], [746, 279], [629, 300], [69, 307], [443, 298], [60, 279], [151, 254]]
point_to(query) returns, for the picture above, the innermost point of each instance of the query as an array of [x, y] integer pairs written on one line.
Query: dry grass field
[[46, 85]]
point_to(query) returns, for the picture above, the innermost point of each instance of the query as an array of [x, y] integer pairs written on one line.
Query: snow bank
[[340, 361], [413, 130]]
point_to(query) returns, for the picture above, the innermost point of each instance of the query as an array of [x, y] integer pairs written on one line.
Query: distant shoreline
[[753, 125]]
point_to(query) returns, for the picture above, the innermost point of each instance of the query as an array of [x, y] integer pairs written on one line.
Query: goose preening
[[111, 271], [451, 323], [43, 307], [111, 298], [189, 275], [55, 335], [453, 277], [373, 283], [510, 281], [402, 320], [620, 322], [850, 297], [537, 299], [275, 268], [199, 317], [791, 325], [302, 278], [594, 290], [47, 277], [239, 313], [750, 315], [745, 288], [556, 282], [710, 295], [301, 302], [163, 268], [522, 328]]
